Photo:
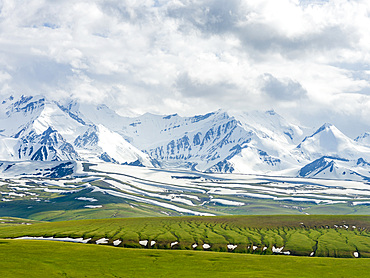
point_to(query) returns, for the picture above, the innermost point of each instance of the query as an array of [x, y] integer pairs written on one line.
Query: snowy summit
[[38, 129]]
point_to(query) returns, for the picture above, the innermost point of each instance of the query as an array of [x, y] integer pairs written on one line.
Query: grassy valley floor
[[21, 258]]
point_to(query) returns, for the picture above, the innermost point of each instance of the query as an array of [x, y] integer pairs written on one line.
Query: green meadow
[[23, 258], [319, 236]]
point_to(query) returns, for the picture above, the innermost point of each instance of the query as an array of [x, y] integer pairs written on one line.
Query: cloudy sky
[[307, 60]]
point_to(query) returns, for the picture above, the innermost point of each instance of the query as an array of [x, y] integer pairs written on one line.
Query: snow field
[[319, 191], [188, 195]]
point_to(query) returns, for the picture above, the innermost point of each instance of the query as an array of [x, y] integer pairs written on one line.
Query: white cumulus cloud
[[308, 60]]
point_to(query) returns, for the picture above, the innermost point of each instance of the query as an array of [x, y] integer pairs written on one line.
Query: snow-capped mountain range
[[33, 128]]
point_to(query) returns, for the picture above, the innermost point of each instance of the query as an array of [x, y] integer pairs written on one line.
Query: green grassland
[[20, 258], [66, 207], [14, 221], [334, 236]]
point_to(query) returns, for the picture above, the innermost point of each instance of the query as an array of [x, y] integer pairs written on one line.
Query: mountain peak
[[270, 112], [170, 116], [325, 126], [330, 141], [25, 104], [34, 128], [364, 139]]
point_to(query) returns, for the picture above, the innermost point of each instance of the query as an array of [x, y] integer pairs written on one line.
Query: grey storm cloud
[[231, 18], [285, 89], [193, 88], [211, 17]]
